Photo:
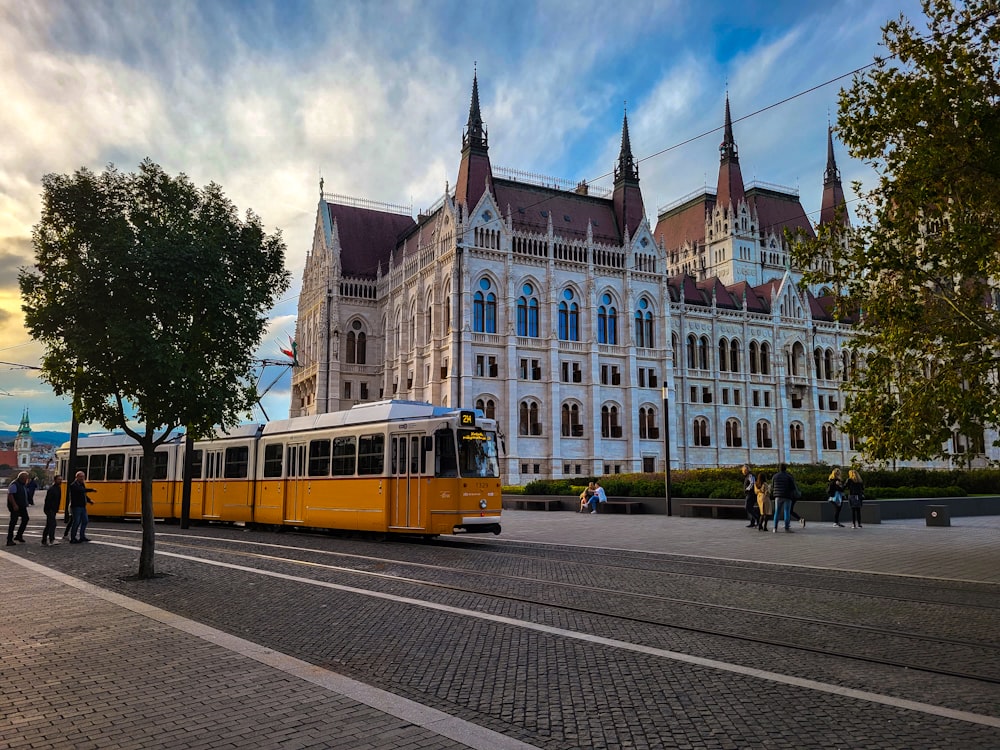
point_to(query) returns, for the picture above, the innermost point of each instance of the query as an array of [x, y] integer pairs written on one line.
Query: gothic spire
[[475, 131], [834, 206], [475, 174], [627, 198], [730, 186], [626, 169]]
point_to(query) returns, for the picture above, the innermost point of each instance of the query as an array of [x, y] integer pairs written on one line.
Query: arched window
[[754, 358], [527, 312], [644, 325], [647, 423], [734, 434], [818, 362], [829, 437], [797, 359], [610, 428], [765, 359], [673, 347], [446, 298], [484, 308], [723, 355], [796, 436], [734, 355], [692, 350], [569, 317], [362, 346], [701, 436], [703, 361], [351, 345], [607, 321], [527, 418], [764, 434], [570, 425], [429, 324], [828, 364], [399, 331]]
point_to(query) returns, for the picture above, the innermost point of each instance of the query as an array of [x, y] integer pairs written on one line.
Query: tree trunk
[[146, 568]]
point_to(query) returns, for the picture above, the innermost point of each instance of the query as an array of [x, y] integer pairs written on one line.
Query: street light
[[666, 445]]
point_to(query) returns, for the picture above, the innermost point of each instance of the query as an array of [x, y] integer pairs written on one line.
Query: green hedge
[[811, 478]]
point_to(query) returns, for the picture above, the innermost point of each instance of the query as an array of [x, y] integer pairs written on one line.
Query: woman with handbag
[[835, 492], [855, 496], [764, 502]]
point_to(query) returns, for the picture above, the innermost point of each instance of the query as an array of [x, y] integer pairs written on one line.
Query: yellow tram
[[392, 466]]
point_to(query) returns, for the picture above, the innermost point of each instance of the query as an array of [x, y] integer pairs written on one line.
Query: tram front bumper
[[478, 525]]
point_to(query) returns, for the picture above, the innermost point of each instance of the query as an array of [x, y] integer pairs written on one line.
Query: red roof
[[367, 237], [532, 205]]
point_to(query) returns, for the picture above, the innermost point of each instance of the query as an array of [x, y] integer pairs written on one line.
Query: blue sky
[[266, 97]]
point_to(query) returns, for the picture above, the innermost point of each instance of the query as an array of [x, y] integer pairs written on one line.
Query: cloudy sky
[[264, 98]]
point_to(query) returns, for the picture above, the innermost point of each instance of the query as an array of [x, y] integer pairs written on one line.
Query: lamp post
[[666, 445]]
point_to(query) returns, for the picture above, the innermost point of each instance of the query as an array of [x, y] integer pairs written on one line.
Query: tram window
[[116, 467], [197, 459], [477, 454], [319, 458], [160, 465], [445, 458], [96, 470], [81, 465], [272, 460], [371, 454], [415, 454], [237, 460], [344, 456]]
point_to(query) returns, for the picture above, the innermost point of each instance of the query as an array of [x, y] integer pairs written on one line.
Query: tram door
[[212, 492], [296, 483], [133, 486], [405, 500]]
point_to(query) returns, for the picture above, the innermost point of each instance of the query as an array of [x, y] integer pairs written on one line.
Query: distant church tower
[[22, 443]]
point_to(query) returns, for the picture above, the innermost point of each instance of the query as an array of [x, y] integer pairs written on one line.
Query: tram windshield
[[477, 454]]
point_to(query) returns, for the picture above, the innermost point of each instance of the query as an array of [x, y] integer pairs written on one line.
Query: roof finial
[[627, 167], [475, 132]]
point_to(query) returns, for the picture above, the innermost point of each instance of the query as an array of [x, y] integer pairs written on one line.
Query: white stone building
[[561, 311]]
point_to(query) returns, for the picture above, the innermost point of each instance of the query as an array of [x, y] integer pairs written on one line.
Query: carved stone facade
[[560, 311]]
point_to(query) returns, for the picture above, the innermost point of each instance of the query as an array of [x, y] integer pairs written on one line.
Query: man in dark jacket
[[750, 496], [17, 504], [53, 497], [78, 501], [784, 490]]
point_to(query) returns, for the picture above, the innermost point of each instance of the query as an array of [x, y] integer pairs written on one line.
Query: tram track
[[923, 644]]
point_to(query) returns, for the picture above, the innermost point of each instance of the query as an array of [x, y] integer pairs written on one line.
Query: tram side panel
[[222, 482], [323, 480]]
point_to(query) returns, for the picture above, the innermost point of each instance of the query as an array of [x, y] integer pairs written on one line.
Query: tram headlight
[[482, 503]]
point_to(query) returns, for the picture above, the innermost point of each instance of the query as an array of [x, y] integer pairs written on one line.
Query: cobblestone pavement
[[87, 667]]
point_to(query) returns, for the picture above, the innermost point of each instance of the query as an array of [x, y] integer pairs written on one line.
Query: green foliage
[[512, 490], [150, 296], [812, 480], [920, 267]]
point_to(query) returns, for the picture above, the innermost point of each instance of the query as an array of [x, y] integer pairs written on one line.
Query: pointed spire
[[730, 186], [833, 191], [728, 150], [832, 174], [627, 197], [475, 130], [626, 168], [475, 174]]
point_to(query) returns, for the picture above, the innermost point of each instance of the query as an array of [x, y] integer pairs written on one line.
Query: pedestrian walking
[[855, 497], [785, 492], [765, 504], [750, 497], [30, 488], [53, 496], [78, 501], [17, 504], [835, 493]]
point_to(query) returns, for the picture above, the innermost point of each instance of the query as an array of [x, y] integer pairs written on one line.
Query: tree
[[919, 276], [149, 295]]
